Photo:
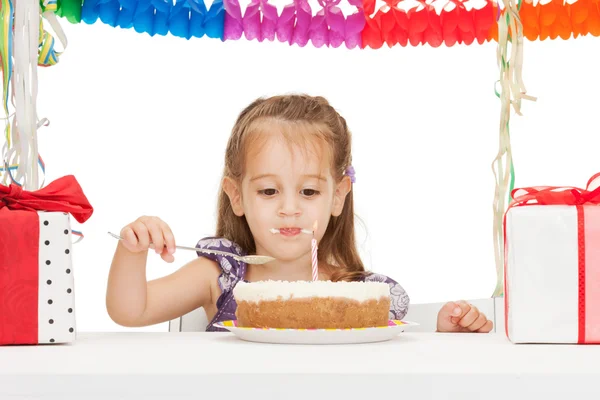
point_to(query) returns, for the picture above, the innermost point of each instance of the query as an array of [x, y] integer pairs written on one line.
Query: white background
[[142, 123]]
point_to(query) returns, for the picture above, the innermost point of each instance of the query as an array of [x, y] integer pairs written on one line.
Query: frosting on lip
[[277, 290]]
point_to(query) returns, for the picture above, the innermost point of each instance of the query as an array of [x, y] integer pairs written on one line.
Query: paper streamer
[[559, 19], [396, 22], [456, 23], [296, 24], [71, 10], [421, 23], [186, 19]]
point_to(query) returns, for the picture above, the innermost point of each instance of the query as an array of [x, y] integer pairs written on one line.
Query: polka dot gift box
[[37, 303]]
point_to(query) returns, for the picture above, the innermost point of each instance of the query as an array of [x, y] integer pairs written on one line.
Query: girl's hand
[[149, 232], [462, 317]]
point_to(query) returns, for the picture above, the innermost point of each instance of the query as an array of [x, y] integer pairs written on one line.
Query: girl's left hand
[[461, 316]]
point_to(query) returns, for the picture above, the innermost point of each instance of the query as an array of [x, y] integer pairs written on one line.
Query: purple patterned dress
[[234, 271]]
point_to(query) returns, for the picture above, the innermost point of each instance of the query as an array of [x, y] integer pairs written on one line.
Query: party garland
[[397, 22]]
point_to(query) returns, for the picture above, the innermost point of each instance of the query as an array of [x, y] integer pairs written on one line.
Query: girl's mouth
[[290, 231]]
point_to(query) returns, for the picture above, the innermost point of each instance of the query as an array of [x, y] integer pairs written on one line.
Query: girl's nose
[[289, 206]]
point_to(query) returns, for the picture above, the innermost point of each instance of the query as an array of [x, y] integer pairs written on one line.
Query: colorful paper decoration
[[422, 24], [297, 23], [186, 19], [397, 22]]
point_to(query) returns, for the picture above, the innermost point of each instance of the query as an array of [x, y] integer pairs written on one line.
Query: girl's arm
[[132, 301]]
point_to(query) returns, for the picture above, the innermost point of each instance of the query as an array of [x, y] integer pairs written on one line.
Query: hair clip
[[351, 173]]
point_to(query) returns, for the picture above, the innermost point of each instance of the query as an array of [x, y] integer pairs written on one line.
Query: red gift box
[[33, 227]]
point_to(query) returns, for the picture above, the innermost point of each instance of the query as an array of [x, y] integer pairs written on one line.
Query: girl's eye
[[310, 192], [268, 192]]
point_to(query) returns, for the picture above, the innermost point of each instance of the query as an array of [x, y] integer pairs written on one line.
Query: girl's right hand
[[149, 232]]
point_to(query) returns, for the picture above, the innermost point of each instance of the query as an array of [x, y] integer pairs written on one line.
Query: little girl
[[287, 165]]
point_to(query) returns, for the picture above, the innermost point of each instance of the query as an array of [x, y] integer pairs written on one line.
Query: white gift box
[[552, 266]]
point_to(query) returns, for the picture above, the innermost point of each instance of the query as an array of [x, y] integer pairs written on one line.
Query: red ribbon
[[19, 249], [63, 195], [556, 195]]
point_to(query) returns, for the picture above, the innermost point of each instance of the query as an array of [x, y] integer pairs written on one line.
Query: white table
[[220, 366]]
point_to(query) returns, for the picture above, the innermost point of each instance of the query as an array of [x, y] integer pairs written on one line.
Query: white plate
[[317, 336]]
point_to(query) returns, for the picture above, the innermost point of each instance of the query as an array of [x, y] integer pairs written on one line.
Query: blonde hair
[[338, 245]]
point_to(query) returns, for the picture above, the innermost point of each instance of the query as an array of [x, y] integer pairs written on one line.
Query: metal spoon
[[251, 259]]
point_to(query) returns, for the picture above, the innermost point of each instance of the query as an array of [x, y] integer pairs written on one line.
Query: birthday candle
[[315, 262]]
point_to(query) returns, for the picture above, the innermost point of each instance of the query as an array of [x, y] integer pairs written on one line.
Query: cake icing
[[284, 290]]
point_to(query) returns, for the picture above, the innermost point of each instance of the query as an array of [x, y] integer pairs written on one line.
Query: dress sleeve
[[232, 270], [399, 298]]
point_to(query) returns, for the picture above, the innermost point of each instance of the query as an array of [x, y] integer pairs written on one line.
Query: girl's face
[[287, 187]]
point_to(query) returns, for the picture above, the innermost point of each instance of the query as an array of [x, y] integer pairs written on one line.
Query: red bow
[[63, 194], [556, 195]]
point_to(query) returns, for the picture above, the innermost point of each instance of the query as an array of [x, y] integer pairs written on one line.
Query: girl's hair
[[303, 114]]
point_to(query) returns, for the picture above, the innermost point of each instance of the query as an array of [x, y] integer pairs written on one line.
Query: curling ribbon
[[47, 55], [21, 139], [510, 29], [6, 42]]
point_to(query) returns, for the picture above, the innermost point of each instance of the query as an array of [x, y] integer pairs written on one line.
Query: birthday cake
[[312, 305]]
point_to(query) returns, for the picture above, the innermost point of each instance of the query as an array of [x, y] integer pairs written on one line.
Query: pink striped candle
[[315, 261]]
